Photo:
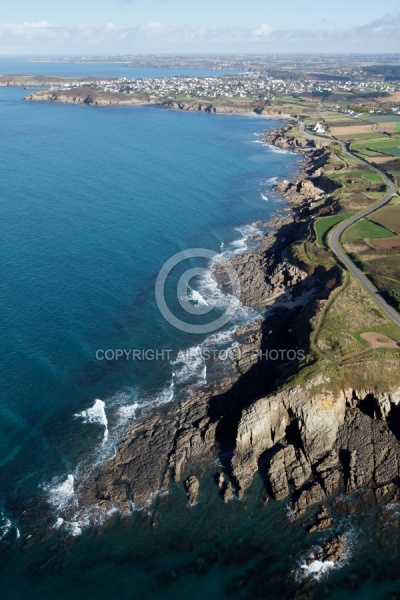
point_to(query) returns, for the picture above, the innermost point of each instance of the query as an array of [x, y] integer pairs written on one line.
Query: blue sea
[[94, 202]]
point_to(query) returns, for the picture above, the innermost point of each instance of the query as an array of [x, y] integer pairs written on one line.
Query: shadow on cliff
[[283, 329]]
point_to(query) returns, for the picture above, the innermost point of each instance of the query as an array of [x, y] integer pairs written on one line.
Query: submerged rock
[[192, 486]]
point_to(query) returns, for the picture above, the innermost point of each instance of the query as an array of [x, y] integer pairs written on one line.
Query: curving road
[[334, 236]]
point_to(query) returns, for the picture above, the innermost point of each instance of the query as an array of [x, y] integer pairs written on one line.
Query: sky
[[105, 27]]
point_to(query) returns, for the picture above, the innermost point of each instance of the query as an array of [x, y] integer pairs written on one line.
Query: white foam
[[220, 338], [62, 495], [166, 395], [273, 180], [58, 523], [317, 568], [279, 150], [264, 197], [189, 366], [5, 528], [73, 528], [96, 414], [128, 412], [195, 297]]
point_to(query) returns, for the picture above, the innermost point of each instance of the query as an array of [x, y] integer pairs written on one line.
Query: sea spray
[[61, 494], [96, 414]]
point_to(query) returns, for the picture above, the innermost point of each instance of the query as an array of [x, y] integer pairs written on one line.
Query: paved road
[[334, 237]]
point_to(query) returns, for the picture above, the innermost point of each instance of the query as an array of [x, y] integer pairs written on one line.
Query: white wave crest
[[277, 150], [264, 197], [128, 412], [5, 527], [61, 495], [189, 366], [317, 568], [195, 297], [96, 414]]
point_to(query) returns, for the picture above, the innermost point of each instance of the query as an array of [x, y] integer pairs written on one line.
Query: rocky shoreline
[[310, 442], [90, 97]]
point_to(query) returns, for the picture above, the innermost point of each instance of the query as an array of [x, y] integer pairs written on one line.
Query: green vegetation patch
[[347, 174], [351, 312], [365, 229], [393, 151], [373, 177], [325, 224], [382, 119]]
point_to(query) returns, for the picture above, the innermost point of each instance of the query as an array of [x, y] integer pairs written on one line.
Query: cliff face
[[91, 97], [83, 96], [306, 444], [322, 443], [308, 423]]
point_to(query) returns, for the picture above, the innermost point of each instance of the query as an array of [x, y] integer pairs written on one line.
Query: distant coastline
[[89, 97]]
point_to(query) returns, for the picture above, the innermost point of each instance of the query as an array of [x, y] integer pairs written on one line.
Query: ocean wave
[[315, 569], [239, 246], [61, 494], [190, 366], [128, 412], [9, 533], [277, 150], [310, 566], [264, 197], [96, 414], [195, 297]]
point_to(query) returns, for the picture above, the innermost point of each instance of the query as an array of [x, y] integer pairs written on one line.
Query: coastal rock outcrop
[[192, 486], [329, 444], [313, 422]]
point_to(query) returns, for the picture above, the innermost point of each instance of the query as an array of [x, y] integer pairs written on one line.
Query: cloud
[[380, 35], [263, 32]]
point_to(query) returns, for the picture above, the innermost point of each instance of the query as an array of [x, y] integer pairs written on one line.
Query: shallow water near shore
[[94, 202]]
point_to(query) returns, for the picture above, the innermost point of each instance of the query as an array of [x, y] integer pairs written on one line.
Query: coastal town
[[247, 86]]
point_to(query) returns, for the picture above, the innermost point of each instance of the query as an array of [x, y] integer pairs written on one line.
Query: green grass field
[[378, 143], [382, 118], [323, 225], [365, 229], [394, 151], [346, 174], [374, 177]]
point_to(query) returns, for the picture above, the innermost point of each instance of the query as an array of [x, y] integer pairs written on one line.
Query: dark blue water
[[93, 204]]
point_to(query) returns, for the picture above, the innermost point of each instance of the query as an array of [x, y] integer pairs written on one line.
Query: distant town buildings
[[248, 85]]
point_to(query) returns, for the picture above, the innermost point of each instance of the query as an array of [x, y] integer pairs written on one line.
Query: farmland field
[[378, 143], [374, 177], [347, 174], [386, 243], [388, 217], [323, 225], [365, 229], [382, 118]]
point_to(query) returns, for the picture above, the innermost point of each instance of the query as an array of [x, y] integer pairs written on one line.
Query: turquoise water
[[93, 202]]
